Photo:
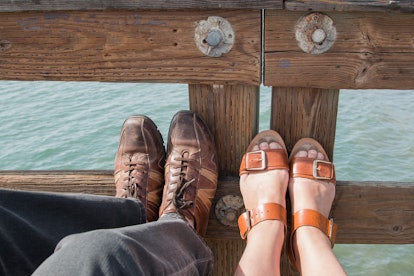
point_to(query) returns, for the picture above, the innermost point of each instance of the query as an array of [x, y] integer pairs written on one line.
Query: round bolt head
[[214, 37], [318, 36], [315, 33], [228, 209]]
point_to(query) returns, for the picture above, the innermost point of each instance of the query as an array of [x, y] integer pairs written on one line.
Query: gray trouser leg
[[164, 247], [32, 223]]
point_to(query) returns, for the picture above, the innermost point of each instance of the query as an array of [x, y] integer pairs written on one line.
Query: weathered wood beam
[[232, 114], [126, 46], [58, 5], [304, 5], [366, 212], [305, 112], [371, 51], [350, 5]]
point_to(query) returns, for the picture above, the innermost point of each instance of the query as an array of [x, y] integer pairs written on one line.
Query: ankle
[[310, 237], [267, 232]]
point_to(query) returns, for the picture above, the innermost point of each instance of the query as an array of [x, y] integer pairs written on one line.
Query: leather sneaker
[[191, 170], [139, 164]]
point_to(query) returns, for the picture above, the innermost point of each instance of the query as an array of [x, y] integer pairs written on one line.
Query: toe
[[264, 146], [301, 153], [312, 154], [275, 145], [320, 156]]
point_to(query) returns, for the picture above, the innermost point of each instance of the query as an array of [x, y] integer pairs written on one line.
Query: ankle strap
[[267, 211], [308, 217]]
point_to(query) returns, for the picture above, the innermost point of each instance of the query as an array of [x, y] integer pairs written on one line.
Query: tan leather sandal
[[259, 161], [321, 170]]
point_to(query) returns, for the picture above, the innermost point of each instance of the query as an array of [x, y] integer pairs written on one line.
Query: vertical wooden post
[[231, 112], [304, 112]]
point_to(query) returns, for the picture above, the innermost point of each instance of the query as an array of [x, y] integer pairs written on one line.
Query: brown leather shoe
[[139, 164], [190, 171]]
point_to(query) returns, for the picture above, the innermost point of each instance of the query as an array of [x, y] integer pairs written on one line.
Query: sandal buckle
[[262, 159], [315, 170]]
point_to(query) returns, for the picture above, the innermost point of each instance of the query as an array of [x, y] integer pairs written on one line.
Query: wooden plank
[[59, 5], [372, 50], [350, 5], [304, 5], [232, 113], [382, 212], [305, 112], [366, 212], [126, 46]]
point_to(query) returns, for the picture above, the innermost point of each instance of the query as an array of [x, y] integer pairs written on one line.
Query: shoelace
[[179, 201], [133, 180]]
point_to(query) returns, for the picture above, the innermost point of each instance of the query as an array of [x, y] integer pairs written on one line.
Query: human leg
[[265, 239], [32, 223], [169, 245], [164, 247], [311, 245]]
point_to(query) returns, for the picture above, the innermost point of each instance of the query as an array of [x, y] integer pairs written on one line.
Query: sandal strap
[[266, 211], [308, 217], [312, 168], [261, 160]]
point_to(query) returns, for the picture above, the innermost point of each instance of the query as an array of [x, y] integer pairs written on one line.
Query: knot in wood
[[315, 33], [214, 37], [228, 209]]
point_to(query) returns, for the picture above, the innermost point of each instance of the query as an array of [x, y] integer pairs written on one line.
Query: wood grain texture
[[350, 5], [125, 46], [366, 212], [231, 111], [304, 5], [372, 50], [305, 112], [59, 5]]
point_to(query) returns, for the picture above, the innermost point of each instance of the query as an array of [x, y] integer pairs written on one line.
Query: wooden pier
[[224, 50]]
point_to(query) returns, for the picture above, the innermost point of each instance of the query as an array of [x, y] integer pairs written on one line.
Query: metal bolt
[[214, 38], [228, 209], [315, 33], [5, 45], [318, 36]]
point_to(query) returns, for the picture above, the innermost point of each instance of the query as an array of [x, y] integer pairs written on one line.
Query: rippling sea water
[[75, 126]]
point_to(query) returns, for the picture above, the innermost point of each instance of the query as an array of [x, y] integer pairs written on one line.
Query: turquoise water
[[71, 125]]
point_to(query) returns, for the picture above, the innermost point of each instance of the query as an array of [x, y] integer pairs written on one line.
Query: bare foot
[[311, 194], [264, 187], [312, 247], [265, 239]]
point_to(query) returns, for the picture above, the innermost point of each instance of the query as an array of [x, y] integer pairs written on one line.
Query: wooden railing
[[359, 45]]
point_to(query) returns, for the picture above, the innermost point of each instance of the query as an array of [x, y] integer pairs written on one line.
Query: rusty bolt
[[228, 209], [214, 37], [5, 45], [315, 33]]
